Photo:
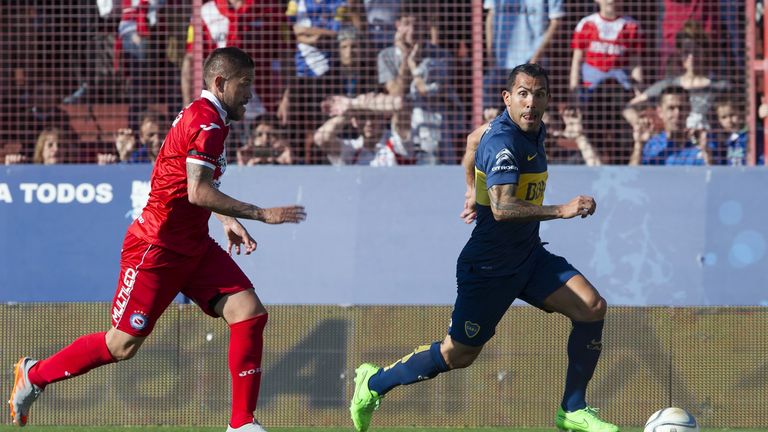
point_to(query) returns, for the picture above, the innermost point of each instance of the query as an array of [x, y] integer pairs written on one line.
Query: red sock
[[246, 342], [85, 353]]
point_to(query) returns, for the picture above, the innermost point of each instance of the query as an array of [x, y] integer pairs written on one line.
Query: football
[[671, 420]]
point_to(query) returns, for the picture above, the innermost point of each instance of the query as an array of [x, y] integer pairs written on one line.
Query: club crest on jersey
[[471, 329], [209, 127], [138, 320]]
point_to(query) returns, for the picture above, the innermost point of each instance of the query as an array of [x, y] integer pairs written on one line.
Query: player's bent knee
[[459, 357], [123, 352], [597, 310], [240, 306], [461, 360]]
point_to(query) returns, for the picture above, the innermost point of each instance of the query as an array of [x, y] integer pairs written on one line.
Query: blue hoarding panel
[[661, 235]]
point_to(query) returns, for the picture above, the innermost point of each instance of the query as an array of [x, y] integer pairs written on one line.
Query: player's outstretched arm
[[507, 207], [201, 192]]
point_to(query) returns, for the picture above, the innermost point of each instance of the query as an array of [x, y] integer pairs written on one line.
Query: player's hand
[[582, 206], [279, 215], [469, 213], [238, 236]]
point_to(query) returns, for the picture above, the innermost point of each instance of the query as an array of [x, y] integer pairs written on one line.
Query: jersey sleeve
[[581, 36], [207, 145], [499, 161]]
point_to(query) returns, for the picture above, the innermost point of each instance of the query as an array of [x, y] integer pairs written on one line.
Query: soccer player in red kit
[[167, 250]]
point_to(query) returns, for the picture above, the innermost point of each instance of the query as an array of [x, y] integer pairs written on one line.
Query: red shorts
[[152, 276]]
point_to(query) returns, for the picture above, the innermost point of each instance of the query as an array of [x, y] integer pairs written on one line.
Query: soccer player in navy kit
[[505, 259], [167, 250]]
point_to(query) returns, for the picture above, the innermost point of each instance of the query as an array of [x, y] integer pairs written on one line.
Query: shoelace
[[594, 411]]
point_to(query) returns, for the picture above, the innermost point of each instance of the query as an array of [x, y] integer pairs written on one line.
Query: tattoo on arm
[[199, 173], [243, 210], [507, 207], [200, 183]]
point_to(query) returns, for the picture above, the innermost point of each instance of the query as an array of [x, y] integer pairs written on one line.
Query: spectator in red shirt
[[606, 45]]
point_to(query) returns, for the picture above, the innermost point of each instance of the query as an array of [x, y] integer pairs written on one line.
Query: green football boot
[[583, 420], [364, 401]]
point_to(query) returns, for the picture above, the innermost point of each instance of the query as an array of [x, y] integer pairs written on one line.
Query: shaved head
[[226, 62]]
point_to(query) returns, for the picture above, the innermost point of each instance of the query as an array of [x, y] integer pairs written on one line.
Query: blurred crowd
[[379, 82]]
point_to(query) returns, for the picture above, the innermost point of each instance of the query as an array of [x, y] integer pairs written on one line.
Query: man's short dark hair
[[225, 62], [531, 69], [674, 90]]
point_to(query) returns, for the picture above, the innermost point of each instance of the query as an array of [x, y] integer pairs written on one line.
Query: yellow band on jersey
[[530, 187], [481, 190]]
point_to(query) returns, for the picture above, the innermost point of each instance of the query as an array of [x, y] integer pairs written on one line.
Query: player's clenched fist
[[582, 206], [290, 214]]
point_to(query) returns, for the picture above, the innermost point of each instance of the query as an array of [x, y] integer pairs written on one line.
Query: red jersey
[[169, 219], [607, 44]]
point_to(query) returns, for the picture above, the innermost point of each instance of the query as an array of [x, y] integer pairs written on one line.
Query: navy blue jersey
[[505, 155]]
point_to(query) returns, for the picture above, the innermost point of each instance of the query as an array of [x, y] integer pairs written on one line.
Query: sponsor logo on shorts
[[121, 301], [471, 329], [139, 320]]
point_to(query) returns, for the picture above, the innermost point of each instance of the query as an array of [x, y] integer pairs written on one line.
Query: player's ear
[[218, 83], [506, 97]]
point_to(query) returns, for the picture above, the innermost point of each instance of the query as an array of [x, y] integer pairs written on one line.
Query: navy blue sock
[[584, 346], [424, 363]]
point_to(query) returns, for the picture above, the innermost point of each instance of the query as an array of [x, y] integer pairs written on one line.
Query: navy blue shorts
[[482, 300]]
